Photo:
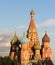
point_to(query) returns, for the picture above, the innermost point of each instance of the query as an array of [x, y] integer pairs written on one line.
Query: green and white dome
[[24, 40]]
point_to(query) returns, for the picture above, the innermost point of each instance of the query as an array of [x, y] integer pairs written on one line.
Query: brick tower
[[14, 51], [46, 50], [32, 35], [37, 55], [24, 51]]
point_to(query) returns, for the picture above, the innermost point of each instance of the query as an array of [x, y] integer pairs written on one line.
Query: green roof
[[14, 40], [37, 47], [24, 40]]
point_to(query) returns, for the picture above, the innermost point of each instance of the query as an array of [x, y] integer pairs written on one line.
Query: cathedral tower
[[14, 51], [32, 34], [37, 55], [24, 51], [46, 50]]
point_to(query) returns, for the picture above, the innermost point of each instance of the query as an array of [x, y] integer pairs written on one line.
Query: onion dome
[[37, 47], [45, 38], [14, 40], [24, 40]]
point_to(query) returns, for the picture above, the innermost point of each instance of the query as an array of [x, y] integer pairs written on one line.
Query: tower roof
[[46, 38], [32, 24], [14, 39], [24, 40], [37, 47]]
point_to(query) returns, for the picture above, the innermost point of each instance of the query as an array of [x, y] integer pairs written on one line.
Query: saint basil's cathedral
[[28, 49]]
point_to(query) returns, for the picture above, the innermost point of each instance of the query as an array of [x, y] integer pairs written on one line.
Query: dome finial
[[45, 32], [15, 32], [23, 34], [32, 13]]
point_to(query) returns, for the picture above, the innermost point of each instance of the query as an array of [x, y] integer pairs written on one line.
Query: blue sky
[[15, 16], [16, 12]]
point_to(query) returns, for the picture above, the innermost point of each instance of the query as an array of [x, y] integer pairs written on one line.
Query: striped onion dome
[[14, 40]]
